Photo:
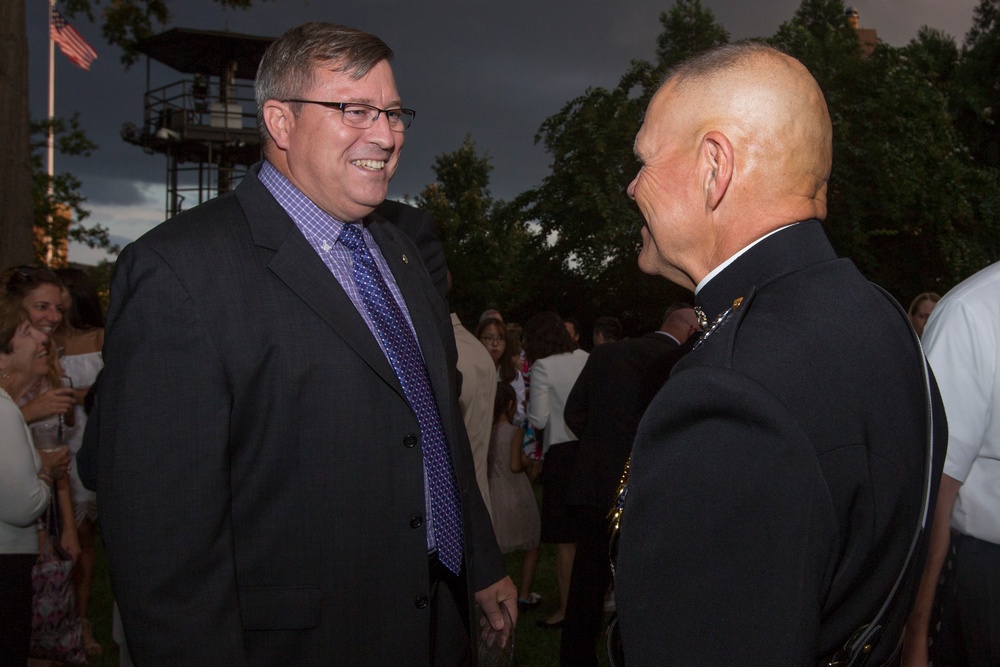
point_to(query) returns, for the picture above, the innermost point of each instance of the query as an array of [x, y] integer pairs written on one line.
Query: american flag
[[70, 42]]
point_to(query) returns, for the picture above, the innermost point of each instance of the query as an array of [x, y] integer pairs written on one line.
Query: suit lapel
[[298, 266]]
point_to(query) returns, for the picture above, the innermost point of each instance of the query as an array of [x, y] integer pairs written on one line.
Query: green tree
[[934, 55], [60, 217], [905, 201], [979, 78], [688, 28], [590, 225], [487, 246]]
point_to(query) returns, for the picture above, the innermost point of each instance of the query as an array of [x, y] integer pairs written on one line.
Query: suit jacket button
[[410, 441], [421, 602], [416, 521]]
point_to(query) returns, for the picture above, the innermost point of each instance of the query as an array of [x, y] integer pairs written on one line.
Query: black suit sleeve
[[575, 412], [419, 225], [164, 416], [726, 529], [87, 458]]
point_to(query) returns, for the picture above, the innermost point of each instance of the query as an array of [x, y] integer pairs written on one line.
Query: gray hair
[[288, 65], [719, 59]]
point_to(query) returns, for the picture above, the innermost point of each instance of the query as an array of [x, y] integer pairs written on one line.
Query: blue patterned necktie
[[406, 360]]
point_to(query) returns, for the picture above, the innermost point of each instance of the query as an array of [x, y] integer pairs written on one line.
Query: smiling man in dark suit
[[285, 475], [777, 480]]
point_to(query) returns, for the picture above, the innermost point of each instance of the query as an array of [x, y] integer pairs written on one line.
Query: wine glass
[[47, 436], [494, 648]]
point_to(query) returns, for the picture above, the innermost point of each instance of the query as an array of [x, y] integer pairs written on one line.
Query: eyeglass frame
[[341, 106], [491, 339]]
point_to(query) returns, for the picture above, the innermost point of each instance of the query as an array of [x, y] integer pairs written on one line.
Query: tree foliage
[[978, 78], [913, 198], [906, 202], [688, 29], [590, 224], [59, 217], [488, 248]]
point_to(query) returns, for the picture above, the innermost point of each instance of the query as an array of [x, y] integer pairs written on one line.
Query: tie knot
[[350, 236]]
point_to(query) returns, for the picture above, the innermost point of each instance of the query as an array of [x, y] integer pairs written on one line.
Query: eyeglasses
[[363, 116], [493, 340]]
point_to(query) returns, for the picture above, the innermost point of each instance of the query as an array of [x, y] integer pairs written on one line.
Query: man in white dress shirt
[[962, 340]]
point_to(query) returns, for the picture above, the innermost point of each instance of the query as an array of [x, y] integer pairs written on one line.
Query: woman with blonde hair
[[39, 292], [920, 310]]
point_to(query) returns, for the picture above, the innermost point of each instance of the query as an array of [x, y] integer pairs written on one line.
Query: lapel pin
[[405, 261]]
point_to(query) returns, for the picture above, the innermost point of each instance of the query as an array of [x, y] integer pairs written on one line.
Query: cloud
[[118, 191]]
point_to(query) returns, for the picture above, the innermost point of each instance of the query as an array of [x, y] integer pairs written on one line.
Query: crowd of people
[[305, 458], [53, 334]]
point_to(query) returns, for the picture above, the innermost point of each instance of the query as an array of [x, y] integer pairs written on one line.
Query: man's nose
[[381, 134]]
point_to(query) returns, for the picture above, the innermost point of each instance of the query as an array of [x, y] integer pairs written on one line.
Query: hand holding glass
[[495, 648]]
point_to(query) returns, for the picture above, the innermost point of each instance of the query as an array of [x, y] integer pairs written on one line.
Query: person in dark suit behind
[[606, 330], [777, 480], [419, 225], [609, 398], [285, 475]]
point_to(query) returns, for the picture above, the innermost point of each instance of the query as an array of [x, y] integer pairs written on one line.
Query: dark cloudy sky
[[493, 70]]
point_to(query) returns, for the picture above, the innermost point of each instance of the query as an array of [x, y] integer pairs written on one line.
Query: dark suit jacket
[[414, 222], [776, 481], [604, 409], [419, 226], [261, 478]]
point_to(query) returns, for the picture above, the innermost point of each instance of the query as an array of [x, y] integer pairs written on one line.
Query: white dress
[[83, 370]]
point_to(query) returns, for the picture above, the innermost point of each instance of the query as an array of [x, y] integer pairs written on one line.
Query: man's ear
[[717, 154], [278, 118]]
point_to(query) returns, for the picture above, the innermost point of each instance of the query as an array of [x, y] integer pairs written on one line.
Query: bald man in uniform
[[777, 486]]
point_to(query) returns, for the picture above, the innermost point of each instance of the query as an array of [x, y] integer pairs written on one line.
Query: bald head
[[773, 111], [736, 143]]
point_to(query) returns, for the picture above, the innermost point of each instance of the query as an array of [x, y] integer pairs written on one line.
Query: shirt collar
[[721, 267], [312, 221]]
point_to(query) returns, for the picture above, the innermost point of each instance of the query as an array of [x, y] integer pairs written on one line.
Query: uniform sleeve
[[725, 530], [164, 471], [432, 253], [575, 412]]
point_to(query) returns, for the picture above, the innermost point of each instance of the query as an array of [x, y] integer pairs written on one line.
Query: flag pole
[[50, 140]]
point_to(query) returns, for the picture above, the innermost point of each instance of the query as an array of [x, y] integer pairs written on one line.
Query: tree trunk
[[15, 167]]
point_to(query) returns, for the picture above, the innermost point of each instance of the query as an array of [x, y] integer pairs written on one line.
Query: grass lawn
[[533, 646], [100, 611]]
